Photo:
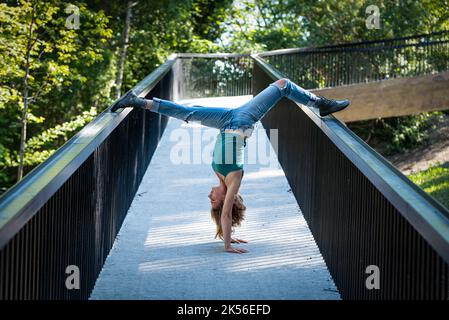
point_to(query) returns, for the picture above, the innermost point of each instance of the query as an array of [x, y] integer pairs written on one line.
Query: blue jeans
[[243, 117]]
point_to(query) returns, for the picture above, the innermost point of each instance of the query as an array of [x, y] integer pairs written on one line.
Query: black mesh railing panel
[[214, 76], [355, 224], [78, 223], [332, 66]]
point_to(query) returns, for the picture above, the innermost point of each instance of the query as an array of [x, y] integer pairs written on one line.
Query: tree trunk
[[23, 132], [123, 49]]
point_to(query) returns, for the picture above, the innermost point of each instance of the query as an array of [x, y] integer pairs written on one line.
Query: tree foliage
[[254, 25], [41, 57]]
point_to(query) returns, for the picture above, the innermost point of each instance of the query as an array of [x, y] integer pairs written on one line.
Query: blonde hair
[[238, 215]]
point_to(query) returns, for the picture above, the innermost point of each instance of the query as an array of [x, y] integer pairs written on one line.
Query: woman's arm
[[226, 216]]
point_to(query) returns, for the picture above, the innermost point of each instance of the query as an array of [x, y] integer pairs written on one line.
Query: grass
[[434, 181]]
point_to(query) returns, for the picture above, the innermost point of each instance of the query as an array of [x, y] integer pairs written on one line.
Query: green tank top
[[228, 153]]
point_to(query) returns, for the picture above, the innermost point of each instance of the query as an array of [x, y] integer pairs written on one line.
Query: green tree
[[41, 54], [254, 26], [169, 26], [257, 25]]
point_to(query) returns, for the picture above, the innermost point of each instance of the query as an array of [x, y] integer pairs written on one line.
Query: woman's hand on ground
[[235, 240], [235, 250]]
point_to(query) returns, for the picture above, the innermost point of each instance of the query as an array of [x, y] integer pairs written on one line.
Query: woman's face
[[216, 197]]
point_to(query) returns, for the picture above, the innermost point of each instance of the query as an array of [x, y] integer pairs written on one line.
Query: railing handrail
[[212, 55], [354, 46], [312, 50], [21, 201], [423, 212]]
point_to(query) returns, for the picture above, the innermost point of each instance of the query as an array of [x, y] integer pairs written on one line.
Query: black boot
[[130, 99], [328, 106]]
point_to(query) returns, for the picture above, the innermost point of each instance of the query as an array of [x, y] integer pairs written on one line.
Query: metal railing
[[212, 75], [361, 210], [337, 65], [68, 210]]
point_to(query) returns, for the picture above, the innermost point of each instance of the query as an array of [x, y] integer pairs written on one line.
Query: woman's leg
[[211, 117], [256, 108]]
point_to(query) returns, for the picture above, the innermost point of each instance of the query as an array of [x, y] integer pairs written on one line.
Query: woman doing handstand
[[235, 125]]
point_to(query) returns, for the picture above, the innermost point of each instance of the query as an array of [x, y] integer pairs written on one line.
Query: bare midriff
[[240, 132]]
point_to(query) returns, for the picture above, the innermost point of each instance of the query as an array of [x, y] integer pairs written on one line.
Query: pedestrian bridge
[[114, 213], [166, 247]]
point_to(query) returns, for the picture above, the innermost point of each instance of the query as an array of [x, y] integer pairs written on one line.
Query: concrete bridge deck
[[166, 247]]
